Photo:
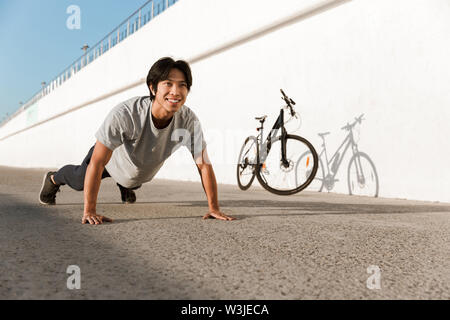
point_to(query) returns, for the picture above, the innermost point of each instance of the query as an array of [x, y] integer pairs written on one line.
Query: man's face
[[172, 93]]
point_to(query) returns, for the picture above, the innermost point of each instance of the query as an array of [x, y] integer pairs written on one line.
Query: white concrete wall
[[386, 59]]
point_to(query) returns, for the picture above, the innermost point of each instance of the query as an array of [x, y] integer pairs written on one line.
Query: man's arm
[[100, 158], [209, 183]]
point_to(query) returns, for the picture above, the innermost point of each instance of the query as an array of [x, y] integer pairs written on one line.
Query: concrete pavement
[[306, 246]]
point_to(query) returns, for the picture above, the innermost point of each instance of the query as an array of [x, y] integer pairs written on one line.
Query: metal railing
[[129, 26]]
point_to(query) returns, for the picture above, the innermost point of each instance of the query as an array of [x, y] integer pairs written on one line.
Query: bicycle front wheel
[[247, 162], [296, 173], [362, 176]]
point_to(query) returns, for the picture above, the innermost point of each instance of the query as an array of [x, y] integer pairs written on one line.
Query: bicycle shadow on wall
[[362, 177]]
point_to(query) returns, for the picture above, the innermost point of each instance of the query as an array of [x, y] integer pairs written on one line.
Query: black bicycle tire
[[240, 185], [304, 185], [364, 155], [320, 166]]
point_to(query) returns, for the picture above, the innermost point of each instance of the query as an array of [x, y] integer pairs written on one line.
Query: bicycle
[[362, 178], [278, 172]]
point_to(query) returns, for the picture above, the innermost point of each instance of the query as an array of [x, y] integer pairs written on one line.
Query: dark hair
[[161, 69]]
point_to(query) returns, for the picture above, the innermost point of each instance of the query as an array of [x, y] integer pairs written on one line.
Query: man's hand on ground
[[93, 218], [218, 215]]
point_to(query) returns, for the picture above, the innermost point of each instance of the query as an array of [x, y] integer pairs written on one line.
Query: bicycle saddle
[[324, 134], [262, 119]]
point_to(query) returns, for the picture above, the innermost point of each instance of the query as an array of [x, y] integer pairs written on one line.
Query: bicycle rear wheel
[[246, 167], [291, 178]]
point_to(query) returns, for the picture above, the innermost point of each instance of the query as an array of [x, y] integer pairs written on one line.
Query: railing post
[[153, 9], [128, 28], [118, 36], [167, 4], [109, 46], [140, 14]]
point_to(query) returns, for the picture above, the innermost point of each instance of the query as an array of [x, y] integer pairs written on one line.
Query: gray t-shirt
[[139, 148]]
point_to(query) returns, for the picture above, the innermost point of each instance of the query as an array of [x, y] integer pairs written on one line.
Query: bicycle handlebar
[[289, 102]]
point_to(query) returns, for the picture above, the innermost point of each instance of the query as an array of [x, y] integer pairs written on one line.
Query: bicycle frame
[[264, 148]]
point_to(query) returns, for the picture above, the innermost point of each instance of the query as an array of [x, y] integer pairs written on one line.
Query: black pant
[[73, 176]]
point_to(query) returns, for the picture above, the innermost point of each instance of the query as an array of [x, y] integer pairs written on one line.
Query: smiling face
[[170, 95]]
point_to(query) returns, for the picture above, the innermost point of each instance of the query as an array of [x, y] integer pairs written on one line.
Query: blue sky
[[36, 44]]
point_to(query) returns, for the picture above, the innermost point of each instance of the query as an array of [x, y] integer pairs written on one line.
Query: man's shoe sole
[[42, 188]]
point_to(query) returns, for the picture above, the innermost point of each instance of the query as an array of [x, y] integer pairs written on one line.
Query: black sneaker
[[48, 190], [128, 195]]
